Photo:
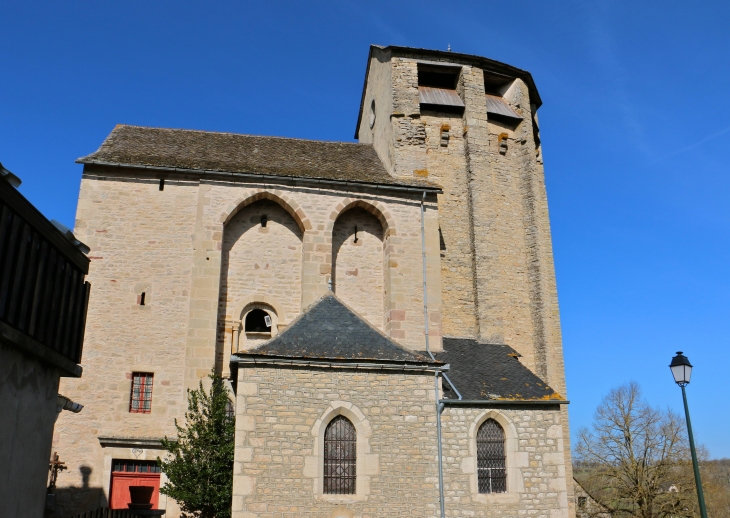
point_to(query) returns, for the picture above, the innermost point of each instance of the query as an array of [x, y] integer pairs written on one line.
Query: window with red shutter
[[141, 400]]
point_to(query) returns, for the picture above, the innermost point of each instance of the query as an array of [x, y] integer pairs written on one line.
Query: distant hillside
[[715, 483]]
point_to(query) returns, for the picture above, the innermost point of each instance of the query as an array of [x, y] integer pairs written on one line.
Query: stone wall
[[281, 415], [169, 244], [536, 475], [446, 166]]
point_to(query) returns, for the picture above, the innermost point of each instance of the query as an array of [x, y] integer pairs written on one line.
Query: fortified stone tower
[[470, 125]]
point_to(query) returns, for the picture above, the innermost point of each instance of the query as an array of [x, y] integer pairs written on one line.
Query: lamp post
[[682, 370]]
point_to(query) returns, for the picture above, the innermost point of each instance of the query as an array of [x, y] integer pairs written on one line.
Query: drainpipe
[[439, 405], [439, 402]]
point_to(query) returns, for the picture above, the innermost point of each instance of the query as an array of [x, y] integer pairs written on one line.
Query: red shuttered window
[[141, 400]]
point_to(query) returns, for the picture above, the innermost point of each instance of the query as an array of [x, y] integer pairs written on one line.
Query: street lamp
[[682, 370]]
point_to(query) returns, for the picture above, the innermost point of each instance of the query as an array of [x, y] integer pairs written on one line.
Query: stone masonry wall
[[378, 95], [168, 244], [280, 416], [446, 166], [536, 474], [140, 240]]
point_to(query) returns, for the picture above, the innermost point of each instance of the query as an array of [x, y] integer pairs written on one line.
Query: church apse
[[357, 263]]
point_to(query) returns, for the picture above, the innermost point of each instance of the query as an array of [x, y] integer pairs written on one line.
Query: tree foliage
[[199, 464], [639, 459]]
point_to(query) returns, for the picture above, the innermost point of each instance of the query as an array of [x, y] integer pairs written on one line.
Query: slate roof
[[329, 330], [234, 153], [489, 371]]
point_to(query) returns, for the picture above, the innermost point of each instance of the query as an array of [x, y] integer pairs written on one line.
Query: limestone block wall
[[140, 240], [375, 127], [446, 166], [281, 414], [316, 211], [497, 269], [536, 472], [169, 244]]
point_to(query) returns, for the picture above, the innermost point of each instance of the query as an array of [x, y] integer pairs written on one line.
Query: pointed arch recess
[[374, 208], [278, 197]]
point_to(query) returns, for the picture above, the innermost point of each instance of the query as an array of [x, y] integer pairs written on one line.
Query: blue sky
[[635, 125]]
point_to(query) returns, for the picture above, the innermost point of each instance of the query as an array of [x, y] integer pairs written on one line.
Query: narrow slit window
[[491, 465], [141, 299], [162, 184], [340, 457], [141, 399]]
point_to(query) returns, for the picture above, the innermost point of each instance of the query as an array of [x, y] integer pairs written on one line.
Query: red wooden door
[[128, 473]]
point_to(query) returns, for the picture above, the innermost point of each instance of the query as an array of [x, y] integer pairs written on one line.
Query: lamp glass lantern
[[681, 369]]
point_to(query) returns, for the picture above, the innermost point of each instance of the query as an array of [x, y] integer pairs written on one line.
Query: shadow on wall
[[73, 500]]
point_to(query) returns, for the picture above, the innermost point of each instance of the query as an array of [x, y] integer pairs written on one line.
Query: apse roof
[[330, 330], [482, 371]]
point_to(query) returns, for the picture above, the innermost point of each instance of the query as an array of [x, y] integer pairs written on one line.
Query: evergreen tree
[[199, 466]]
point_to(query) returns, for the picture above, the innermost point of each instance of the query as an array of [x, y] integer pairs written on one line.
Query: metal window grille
[[491, 468], [141, 400], [230, 410], [340, 455], [135, 466]]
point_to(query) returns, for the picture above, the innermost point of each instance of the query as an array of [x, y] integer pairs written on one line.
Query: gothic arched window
[[491, 469], [340, 455]]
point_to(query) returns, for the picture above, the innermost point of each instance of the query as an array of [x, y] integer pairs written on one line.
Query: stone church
[[385, 311]]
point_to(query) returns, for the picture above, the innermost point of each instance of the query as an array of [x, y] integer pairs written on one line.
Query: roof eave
[[372, 185], [503, 402], [362, 363]]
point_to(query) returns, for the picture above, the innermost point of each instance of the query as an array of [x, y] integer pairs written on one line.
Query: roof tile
[[490, 371], [234, 153]]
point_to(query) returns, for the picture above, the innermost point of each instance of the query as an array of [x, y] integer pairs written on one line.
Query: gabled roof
[[329, 330], [491, 372], [206, 151]]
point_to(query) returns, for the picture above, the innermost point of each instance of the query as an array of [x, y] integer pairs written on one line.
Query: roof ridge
[[120, 126]]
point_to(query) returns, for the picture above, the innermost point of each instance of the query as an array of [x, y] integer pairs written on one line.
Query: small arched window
[[340, 456], [257, 321], [491, 469]]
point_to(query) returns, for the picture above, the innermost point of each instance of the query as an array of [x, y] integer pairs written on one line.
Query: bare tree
[[638, 458]]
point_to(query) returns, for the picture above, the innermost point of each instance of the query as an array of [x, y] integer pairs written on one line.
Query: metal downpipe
[[439, 405]]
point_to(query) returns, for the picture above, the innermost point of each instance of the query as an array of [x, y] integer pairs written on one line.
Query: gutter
[[342, 364], [346, 183], [502, 402]]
